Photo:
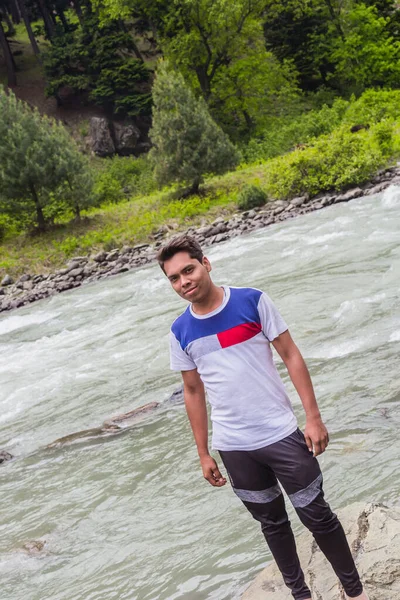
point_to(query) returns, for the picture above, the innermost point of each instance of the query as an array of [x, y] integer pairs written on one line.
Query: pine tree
[[188, 144], [41, 168]]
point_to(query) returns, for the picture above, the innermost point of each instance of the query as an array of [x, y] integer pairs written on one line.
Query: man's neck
[[213, 300]]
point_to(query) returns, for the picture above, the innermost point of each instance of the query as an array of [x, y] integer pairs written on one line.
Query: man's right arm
[[195, 402]]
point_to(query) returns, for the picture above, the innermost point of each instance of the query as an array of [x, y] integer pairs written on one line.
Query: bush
[[122, 177], [334, 162], [283, 133], [250, 197], [373, 106]]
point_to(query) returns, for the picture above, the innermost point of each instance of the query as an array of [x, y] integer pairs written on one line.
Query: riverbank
[[85, 269]]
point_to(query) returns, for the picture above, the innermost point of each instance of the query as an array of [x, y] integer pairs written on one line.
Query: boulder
[[101, 139], [7, 280], [350, 195], [373, 532], [4, 456], [100, 256], [126, 137]]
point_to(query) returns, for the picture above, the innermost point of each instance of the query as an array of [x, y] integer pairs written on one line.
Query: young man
[[221, 344]]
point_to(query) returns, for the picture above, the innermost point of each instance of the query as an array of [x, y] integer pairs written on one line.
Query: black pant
[[254, 477]]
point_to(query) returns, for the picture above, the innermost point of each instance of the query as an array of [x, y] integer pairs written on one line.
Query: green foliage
[[367, 55], [333, 162], [284, 133], [121, 177], [97, 64], [373, 106], [40, 165], [188, 144], [251, 196]]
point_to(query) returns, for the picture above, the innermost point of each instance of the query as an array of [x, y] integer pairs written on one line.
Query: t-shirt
[[230, 348]]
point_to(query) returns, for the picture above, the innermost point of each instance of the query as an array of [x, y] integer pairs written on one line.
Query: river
[[129, 517]]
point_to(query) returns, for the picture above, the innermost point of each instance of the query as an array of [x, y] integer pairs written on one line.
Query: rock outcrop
[[373, 532], [101, 140], [112, 426]]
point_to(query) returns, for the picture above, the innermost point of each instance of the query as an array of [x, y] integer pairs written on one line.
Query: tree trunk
[[63, 20], [78, 11], [48, 23], [10, 26], [77, 209], [8, 57], [28, 27], [195, 186], [39, 212], [14, 12]]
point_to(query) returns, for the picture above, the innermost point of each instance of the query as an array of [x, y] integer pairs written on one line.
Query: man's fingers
[[309, 443], [210, 477], [318, 448], [214, 477]]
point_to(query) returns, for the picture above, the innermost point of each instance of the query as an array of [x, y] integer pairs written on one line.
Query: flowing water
[[129, 517]]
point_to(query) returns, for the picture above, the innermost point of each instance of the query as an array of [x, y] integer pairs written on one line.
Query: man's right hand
[[211, 471]]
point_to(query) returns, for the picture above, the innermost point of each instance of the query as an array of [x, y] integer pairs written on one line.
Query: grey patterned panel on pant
[[305, 497], [259, 496]]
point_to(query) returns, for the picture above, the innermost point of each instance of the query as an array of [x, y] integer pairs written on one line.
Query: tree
[[8, 57], [98, 64], [368, 56], [188, 144], [38, 161]]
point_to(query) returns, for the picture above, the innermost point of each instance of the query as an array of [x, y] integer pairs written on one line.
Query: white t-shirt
[[230, 348]]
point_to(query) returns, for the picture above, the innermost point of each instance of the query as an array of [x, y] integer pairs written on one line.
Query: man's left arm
[[315, 432]]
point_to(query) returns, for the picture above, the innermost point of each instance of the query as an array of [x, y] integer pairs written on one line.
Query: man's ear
[[207, 263]]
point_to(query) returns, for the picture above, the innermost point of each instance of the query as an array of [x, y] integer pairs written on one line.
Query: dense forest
[[306, 88]]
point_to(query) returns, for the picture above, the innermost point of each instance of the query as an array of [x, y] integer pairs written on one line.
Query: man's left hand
[[316, 435]]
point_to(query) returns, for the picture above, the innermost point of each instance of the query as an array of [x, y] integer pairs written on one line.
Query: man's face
[[189, 278]]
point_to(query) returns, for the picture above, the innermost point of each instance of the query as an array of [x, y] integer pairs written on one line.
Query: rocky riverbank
[[84, 269], [373, 532]]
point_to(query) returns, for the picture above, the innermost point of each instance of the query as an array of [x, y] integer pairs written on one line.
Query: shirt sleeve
[[179, 360], [272, 323]]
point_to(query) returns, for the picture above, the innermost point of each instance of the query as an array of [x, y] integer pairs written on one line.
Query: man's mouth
[[189, 292]]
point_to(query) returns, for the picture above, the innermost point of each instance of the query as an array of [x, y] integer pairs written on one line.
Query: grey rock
[[76, 272], [2, 291], [100, 256], [373, 532], [298, 201], [278, 210], [79, 259], [27, 286], [140, 247], [112, 255], [350, 195], [221, 237], [7, 280], [126, 137], [25, 277], [101, 140], [376, 189], [122, 260], [205, 231], [126, 250], [4, 456]]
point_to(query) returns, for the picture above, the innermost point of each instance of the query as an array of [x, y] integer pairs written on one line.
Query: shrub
[[333, 162], [121, 177], [250, 197]]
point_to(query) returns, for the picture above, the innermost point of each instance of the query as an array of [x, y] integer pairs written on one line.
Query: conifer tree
[[40, 165], [187, 143]]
